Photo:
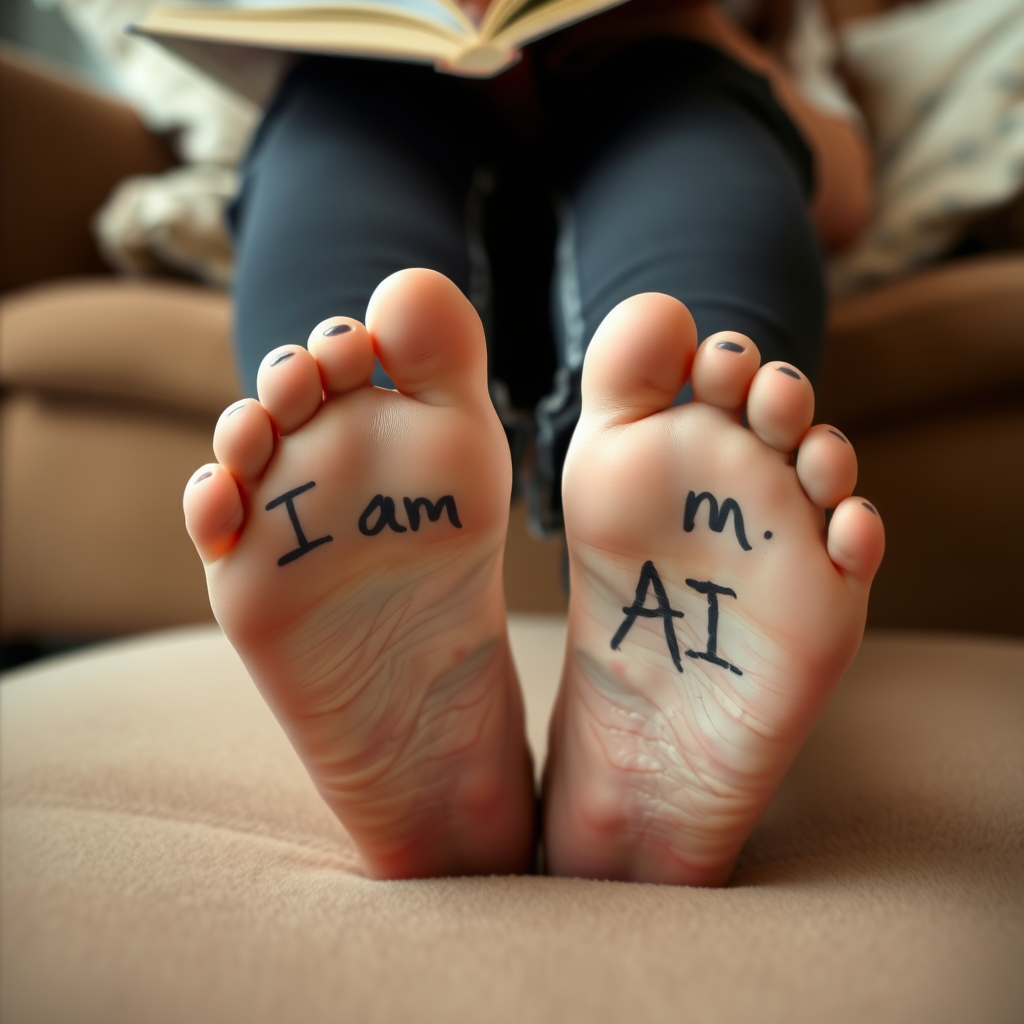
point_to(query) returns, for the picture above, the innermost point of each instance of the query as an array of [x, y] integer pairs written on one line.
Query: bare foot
[[711, 614], [353, 551]]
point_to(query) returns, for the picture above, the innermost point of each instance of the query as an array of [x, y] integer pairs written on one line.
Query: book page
[[435, 31], [363, 30], [531, 19], [440, 12], [499, 13]]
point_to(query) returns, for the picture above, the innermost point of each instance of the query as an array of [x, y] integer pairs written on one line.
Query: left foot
[[711, 614], [353, 547]]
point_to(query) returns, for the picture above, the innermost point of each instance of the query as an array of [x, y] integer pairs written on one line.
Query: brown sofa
[[163, 856]]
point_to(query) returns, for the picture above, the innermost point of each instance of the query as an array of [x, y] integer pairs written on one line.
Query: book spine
[[480, 62]]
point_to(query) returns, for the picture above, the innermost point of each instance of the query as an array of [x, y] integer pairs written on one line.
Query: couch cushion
[[951, 493], [155, 342], [92, 536], [165, 858], [942, 338]]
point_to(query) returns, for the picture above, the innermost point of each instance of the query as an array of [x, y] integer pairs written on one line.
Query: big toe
[[428, 338], [639, 358]]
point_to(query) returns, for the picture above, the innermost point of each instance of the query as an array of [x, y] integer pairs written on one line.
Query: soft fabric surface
[[156, 343], [898, 350], [941, 86], [92, 537], [172, 220], [165, 858]]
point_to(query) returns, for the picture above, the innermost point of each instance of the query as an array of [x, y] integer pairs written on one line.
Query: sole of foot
[[352, 538], [711, 612]]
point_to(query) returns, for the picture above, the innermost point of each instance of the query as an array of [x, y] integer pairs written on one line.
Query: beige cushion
[[154, 342], [165, 858]]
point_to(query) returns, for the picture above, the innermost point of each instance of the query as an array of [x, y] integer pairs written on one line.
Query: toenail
[[337, 329], [202, 476], [869, 508], [788, 372], [235, 408], [730, 346], [767, 534], [281, 358], [835, 433]]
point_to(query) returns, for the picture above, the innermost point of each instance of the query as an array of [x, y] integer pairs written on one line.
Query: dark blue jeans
[[663, 167]]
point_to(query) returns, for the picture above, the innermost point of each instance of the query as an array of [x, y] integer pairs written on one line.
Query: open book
[[237, 40]]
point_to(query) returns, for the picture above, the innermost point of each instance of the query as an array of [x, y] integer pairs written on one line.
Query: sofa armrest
[[927, 344], [64, 148]]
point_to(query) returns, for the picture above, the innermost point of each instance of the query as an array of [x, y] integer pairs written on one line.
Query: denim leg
[[698, 198], [359, 169]]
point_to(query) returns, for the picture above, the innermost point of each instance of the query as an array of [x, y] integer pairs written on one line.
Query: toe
[[289, 386], [428, 338], [343, 351], [856, 539], [639, 359], [243, 440], [213, 511], [826, 465], [780, 405], [723, 368]]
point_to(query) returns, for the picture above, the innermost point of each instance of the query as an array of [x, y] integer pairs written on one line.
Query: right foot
[[353, 552], [711, 613]]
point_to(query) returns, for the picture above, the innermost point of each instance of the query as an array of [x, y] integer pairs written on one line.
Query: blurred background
[[115, 357], [40, 29]]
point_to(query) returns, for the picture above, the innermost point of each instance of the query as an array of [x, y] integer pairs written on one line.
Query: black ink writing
[[386, 507], [305, 546], [433, 510], [713, 591], [649, 575], [717, 517]]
